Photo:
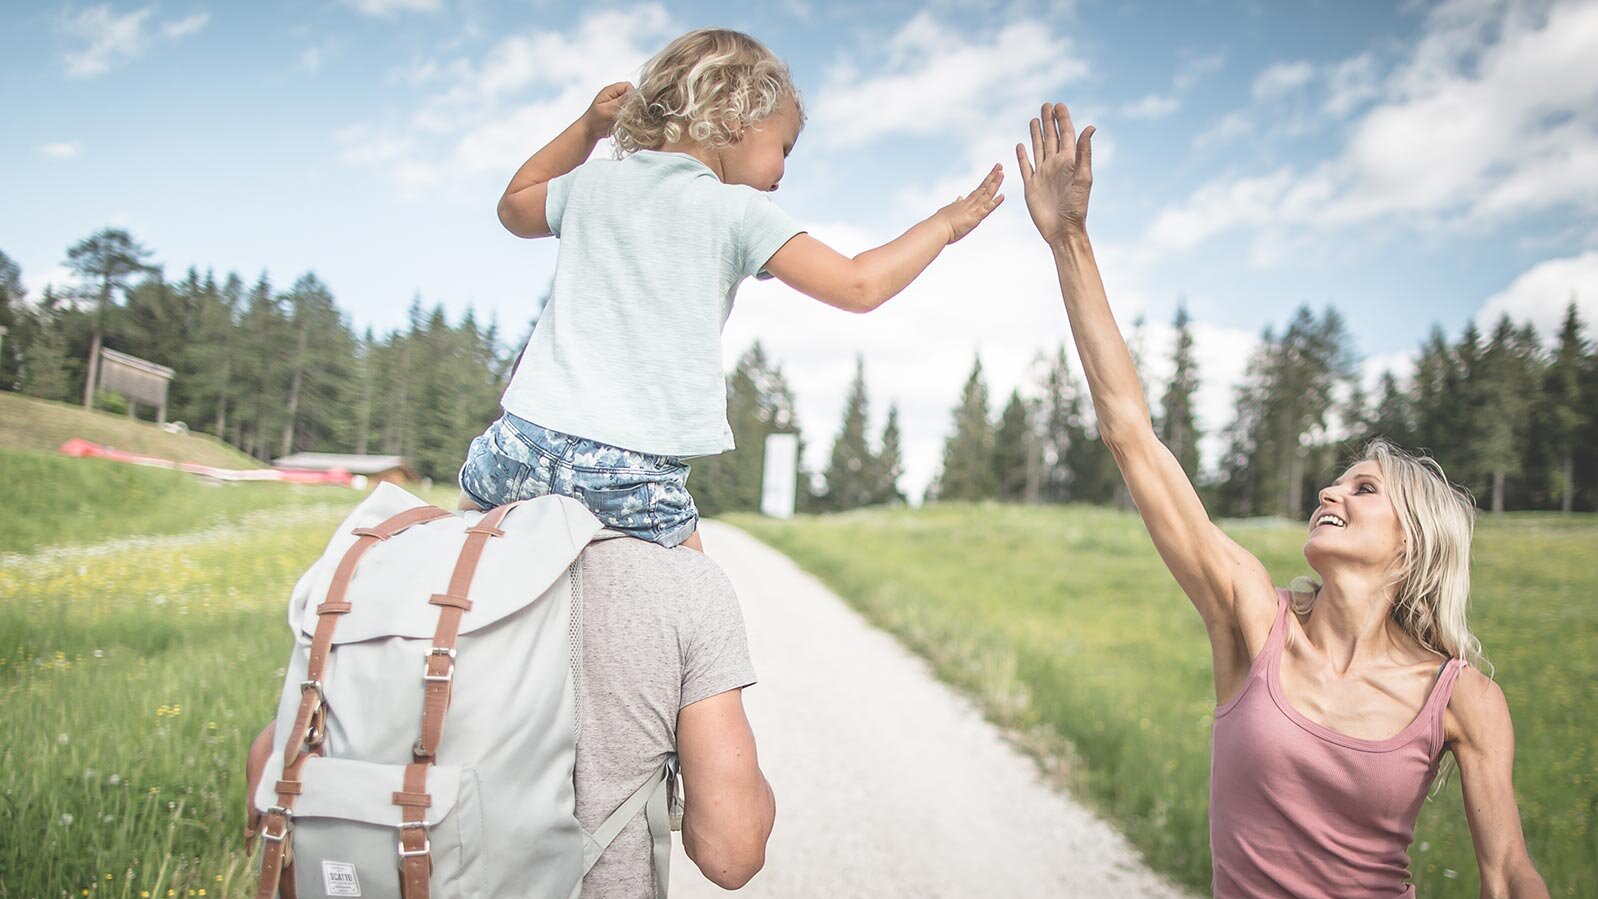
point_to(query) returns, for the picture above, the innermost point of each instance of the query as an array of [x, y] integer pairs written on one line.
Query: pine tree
[[104, 261], [1436, 374], [968, 453], [851, 463], [1177, 426], [759, 403], [44, 372], [318, 366], [1507, 372], [1012, 445], [1391, 418], [889, 463], [12, 328], [1563, 415]]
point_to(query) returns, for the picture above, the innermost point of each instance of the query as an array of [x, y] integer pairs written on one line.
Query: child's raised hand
[[967, 212], [601, 114]]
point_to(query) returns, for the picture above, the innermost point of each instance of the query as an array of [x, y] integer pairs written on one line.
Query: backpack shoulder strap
[[652, 796]]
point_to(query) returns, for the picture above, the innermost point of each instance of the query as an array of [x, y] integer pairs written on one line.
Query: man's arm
[[729, 808]]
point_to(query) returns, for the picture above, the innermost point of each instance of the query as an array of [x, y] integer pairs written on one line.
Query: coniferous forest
[[276, 368]]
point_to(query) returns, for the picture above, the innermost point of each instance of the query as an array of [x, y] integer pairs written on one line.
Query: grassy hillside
[[50, 499], [27, 423], [1067, 627]]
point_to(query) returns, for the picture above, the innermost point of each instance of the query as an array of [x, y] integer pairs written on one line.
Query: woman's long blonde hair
[[706, 86], [1432, 576]]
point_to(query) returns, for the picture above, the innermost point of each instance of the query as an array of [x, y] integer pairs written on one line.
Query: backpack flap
[[347, 827], [384, 502], [392, 584]]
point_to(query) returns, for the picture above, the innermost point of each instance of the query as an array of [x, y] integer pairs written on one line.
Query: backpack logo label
[[338, 879]]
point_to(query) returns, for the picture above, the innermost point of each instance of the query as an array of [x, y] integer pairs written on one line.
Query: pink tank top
[[1298, 809]]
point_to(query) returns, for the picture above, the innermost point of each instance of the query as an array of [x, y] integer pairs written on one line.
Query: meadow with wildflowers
[[1066, 627], [135, 671]]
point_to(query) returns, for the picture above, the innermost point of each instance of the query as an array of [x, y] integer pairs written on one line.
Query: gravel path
[[888, 782]]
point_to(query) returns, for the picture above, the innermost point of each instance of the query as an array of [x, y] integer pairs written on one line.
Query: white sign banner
[[780, 479]]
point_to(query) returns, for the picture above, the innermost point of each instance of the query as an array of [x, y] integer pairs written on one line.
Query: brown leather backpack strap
[[415, 852], [438, 677], [277, 824]]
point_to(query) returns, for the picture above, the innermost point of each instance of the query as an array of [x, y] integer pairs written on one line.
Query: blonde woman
[[622, 379], [1335, 706]]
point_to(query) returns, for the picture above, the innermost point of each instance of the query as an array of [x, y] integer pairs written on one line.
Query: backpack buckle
[[427, 666], [286, 816], [427, 849]]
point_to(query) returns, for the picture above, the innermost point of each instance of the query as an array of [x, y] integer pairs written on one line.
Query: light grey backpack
[[426, 736]]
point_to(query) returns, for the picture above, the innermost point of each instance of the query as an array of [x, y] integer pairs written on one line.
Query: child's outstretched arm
[[521, 209], [872, 278]]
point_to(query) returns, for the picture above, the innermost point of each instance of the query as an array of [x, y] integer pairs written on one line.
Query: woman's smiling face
[[1356, 522]]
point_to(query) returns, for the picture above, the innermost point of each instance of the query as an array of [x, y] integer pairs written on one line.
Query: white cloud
[[312, 58], [931, 78], [62, 279], [1282, 78], [1153, 106], [111, 38], [186, 26], [392, 7], [1493, 115], [486, 115], [67, 149], [1228, 128], [1540, 294], [1160, 105], [1351, 83], [1196, 69]]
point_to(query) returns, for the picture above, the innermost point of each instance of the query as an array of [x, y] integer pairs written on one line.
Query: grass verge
[[1064, 622], [28, 423]]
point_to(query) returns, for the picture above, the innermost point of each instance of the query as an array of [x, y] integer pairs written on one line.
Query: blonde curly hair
[[706, 86]]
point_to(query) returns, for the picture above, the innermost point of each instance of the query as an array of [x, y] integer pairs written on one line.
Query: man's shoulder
[[646, 568]]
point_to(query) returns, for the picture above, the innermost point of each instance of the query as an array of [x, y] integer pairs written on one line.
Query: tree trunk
[[1295, 484], [221, 400], [1498, 490], [1034, 472], [1568, 493], [94, 369], [294, 391]]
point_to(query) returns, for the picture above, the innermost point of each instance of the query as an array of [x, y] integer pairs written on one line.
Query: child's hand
[[601, 114], [966, 213]]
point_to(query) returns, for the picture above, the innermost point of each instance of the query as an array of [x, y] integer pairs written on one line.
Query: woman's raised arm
[[1228, 586]]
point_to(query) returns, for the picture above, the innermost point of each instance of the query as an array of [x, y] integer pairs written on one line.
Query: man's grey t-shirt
[[628, 349], [661, 629]]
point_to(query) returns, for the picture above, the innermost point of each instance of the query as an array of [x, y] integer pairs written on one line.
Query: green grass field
[[1066, 626], [27, 423], [51, 499], [134, 672]]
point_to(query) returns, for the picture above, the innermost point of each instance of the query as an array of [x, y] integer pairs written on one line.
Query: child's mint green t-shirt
[[628, 351]]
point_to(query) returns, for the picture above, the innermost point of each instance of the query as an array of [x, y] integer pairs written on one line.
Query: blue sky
[[1408, 163]]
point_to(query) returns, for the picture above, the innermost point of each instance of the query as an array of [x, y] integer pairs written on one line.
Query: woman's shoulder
[[1477, 708]]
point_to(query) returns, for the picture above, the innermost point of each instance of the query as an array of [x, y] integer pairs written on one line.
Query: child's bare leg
[[693, 541], [467, 503]]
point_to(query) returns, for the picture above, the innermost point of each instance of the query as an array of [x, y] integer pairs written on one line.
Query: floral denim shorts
[[639, 494]]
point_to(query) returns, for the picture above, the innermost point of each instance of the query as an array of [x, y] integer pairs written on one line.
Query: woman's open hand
[[1057, 191]]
